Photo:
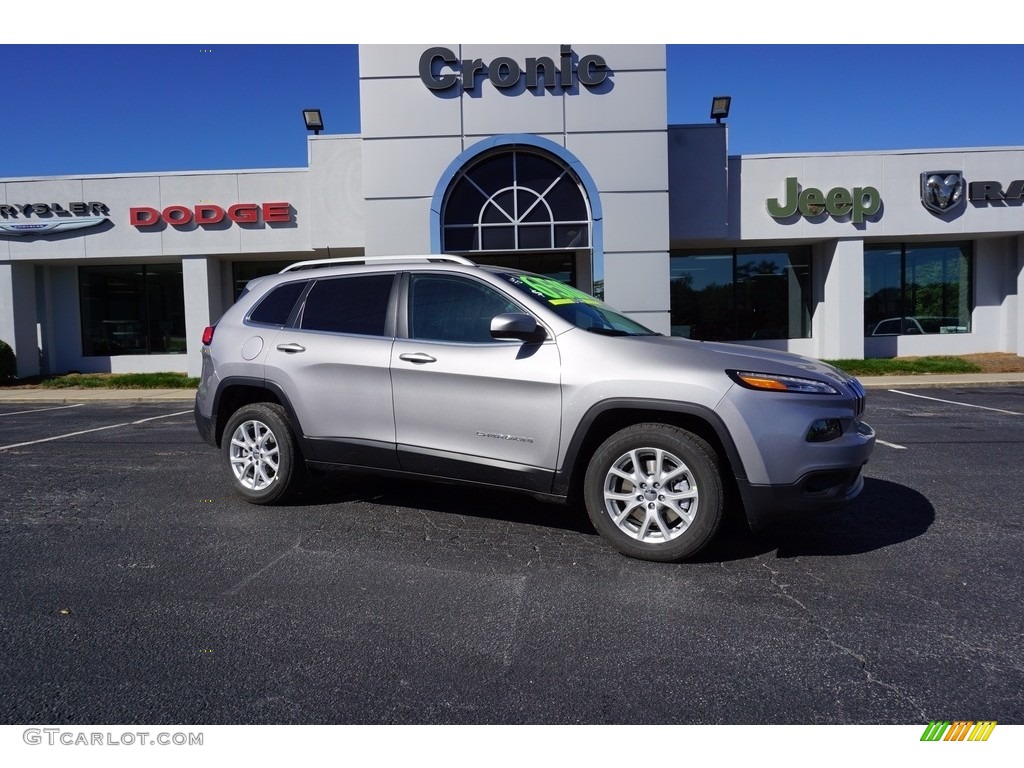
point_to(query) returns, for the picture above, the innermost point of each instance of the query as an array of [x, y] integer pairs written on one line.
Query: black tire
[[259, 449], [654, 492]]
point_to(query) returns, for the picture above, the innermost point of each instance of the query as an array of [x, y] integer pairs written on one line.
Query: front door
[[466, 405]]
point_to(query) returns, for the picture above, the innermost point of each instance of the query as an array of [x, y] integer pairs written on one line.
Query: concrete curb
[[97, 395], [942, 380]]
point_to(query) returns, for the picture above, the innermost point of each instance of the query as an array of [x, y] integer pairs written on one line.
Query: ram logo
[[941, 191]]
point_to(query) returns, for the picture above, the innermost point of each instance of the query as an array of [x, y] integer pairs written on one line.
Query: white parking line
[[40, 410], [97, 429], [891, 445], [955, 402]]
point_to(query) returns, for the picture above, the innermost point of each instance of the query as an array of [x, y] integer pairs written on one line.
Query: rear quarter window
[[276, 306]]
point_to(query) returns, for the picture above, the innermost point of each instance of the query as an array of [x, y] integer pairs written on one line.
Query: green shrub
[[8, 365]]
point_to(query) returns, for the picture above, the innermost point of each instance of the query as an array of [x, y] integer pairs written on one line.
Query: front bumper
[[817, 491]]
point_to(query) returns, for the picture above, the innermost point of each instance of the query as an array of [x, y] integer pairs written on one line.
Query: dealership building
[[558, 159]]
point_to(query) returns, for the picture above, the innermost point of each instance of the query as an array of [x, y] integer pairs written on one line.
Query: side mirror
[[516, 325]]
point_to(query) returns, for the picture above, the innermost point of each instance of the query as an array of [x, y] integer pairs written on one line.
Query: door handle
[[417, 357], [291, 347]]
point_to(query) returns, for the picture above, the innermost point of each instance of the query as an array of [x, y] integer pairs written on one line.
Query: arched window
[[518, 200]]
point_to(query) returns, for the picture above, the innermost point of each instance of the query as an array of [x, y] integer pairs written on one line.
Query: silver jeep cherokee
[[436, 367]]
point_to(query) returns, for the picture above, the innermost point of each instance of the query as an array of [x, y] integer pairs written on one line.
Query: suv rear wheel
[[260, 451], [654, 491]]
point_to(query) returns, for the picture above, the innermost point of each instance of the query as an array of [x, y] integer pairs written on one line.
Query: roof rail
[[440, 257]]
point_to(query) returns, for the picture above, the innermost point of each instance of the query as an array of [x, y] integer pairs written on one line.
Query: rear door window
[[354, 305]]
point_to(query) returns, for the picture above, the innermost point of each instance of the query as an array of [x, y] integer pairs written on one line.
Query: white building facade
[[552, 158]]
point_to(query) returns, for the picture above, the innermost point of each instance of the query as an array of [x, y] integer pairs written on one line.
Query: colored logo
[[941, 191], [858, 204], [207, 213], [958, 730]]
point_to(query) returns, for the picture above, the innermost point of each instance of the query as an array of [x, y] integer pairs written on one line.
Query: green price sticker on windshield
[[557, 292]]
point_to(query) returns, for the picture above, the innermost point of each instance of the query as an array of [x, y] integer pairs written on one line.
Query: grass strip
[[906, 366], [164, 380]]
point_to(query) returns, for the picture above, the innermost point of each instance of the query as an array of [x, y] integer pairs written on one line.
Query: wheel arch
[[238, 391], [607, 418]]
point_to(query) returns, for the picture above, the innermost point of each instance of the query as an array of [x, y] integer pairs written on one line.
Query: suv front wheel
[[654, 491], [260, 452]]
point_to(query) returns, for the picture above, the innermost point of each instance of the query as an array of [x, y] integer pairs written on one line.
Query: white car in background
[[894, 326]]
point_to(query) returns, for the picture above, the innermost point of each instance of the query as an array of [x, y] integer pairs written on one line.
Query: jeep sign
[[858, 203]]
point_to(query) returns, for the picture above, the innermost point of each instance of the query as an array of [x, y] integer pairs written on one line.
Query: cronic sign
[[441, 69]]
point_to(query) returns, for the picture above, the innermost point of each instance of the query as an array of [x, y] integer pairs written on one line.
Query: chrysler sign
[[20, 219]]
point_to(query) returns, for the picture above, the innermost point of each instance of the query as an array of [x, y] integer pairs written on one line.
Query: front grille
[[860, 396]]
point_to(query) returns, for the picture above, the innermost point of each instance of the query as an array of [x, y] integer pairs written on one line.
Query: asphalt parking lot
[[138, 589]]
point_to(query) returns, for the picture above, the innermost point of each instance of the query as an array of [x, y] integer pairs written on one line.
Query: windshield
[[579, 308]]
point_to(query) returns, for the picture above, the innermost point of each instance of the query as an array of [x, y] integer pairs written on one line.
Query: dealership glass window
[[559, 266], [515, 200], [244, 271], [917, 289], [132, 310], [741, 294]]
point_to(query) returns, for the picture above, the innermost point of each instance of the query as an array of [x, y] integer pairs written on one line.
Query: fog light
[[824, 430]]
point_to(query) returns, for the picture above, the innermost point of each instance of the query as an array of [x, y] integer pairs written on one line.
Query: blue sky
[[115, 108]]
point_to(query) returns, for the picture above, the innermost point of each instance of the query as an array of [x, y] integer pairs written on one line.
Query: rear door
[[335, 367]]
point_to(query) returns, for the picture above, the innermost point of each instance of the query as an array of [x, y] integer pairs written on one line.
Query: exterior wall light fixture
[[315, 123], [720, 107]]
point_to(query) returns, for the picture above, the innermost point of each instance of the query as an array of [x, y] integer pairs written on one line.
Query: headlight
[[773, 382]]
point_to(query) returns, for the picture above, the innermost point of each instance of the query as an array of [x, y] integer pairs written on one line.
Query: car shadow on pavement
[[472, 501], [884, 514]]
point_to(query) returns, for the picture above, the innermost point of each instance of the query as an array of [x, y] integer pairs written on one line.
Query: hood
[[736, 357]]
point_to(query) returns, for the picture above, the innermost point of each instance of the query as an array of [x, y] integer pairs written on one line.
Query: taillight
[[208, 335]]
